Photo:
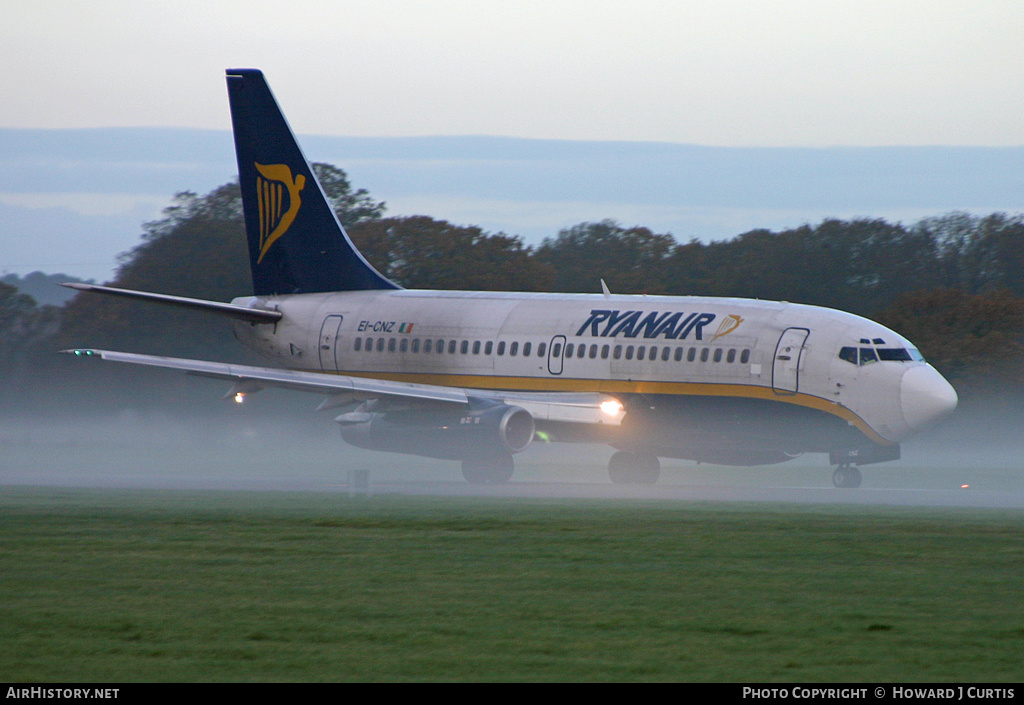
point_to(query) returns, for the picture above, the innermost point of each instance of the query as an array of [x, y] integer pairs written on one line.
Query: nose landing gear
[[846, 475]]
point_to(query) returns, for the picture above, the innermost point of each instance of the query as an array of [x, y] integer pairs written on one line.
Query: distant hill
[[44, 288]]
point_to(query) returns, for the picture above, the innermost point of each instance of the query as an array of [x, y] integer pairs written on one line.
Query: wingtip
[[81, 352]]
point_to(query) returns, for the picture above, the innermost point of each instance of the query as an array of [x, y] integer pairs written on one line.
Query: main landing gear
[[491, 469], [847, 476], [627, 468]]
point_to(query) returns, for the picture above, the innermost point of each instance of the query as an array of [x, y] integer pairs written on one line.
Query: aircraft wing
[[584, 408]]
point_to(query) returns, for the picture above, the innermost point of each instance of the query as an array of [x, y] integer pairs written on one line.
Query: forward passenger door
[[789, 360]]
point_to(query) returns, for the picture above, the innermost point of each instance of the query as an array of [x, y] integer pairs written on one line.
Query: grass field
[[107, 585]]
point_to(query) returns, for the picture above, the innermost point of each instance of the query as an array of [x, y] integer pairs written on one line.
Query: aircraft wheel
[[846, 476], [625, 468], [618, 467], [496, 469]]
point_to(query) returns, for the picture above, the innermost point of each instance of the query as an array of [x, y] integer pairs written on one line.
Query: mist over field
[[102, 425]]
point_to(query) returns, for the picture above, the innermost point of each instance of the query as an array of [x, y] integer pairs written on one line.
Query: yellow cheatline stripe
[[613, 386]]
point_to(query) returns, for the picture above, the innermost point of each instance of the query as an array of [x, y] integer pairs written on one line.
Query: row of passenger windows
[[580, 351]]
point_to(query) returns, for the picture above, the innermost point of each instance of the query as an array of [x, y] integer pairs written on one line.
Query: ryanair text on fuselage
[[672, 325]]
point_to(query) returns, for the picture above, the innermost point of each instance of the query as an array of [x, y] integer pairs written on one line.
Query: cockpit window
[[867, 355], [896, 354]]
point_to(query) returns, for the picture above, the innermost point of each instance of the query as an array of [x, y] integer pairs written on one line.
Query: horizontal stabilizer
[[252, 315]]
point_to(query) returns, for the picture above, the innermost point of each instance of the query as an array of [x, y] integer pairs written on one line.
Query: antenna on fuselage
[[604, 289]]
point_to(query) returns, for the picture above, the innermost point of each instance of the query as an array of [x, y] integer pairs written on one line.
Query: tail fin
[[296, 244]]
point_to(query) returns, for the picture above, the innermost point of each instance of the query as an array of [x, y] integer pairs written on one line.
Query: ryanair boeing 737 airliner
[[475, 376]]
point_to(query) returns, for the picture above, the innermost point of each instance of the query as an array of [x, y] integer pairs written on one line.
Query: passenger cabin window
[[527, 347], [358, 344], [541, 349], [513, 348], [501, 347]]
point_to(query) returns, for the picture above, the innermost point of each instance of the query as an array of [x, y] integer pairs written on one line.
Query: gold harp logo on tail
[[274, 183]]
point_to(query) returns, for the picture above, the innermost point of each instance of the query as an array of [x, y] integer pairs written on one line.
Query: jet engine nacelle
[[481, 429]]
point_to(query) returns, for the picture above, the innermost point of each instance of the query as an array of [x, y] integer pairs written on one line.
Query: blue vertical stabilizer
[[296, 244]]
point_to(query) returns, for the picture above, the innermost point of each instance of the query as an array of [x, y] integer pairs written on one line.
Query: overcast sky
[[728, 72]]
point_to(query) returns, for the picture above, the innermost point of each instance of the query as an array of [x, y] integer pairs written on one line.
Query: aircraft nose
[[926, 397]]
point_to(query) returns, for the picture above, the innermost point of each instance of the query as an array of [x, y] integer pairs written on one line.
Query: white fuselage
[[788, 354]]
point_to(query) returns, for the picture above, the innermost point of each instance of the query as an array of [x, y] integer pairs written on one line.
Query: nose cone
[[926, 397]]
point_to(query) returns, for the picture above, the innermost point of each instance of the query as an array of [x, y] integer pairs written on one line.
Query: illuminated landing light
[[239, 397], [964, 486], [612, 407]]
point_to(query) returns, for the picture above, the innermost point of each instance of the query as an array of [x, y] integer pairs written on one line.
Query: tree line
[[953, 284]]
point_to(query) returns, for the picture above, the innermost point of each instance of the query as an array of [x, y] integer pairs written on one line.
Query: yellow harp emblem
[[272, 186], [728, 325]]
